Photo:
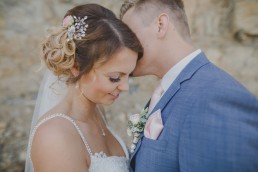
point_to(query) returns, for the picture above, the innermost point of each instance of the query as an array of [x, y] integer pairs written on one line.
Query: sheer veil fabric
[[51, 91]]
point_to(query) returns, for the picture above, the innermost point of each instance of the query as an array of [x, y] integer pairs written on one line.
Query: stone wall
[[226, 30]]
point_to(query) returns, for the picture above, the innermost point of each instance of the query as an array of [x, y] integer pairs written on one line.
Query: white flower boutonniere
[[136, 126]]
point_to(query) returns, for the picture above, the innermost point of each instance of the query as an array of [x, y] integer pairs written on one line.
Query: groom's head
[[158, 24], [148, 10]]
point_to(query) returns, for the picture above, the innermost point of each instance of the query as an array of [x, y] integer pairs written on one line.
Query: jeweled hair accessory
[[76, 27]]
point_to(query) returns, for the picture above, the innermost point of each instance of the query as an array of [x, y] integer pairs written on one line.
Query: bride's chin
[[108, 102]]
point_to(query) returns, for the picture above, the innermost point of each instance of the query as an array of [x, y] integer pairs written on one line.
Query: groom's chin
[[136, 73], [133, 75]]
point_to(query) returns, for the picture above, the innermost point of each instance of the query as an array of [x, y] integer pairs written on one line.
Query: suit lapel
[[186, 74]]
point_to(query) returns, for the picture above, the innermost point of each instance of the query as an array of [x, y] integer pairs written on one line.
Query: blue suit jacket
[[210, 125]]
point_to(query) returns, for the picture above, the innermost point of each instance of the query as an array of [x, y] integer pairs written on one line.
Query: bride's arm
[[58, 148]]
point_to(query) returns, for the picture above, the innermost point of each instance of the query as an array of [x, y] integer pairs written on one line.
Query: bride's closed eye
[[114, 77]]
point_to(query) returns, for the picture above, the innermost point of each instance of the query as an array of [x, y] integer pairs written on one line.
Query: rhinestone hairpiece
[[76, 27]]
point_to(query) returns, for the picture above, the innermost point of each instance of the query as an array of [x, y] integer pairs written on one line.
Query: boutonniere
[[136, 126]]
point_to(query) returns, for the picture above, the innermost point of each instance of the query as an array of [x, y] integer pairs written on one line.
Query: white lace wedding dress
[[100, 162]]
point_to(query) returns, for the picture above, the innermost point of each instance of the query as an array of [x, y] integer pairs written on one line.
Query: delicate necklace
[[99, 126], [99, 122], [102, 129]]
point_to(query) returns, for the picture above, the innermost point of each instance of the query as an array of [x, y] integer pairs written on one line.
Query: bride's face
[[103, 85]]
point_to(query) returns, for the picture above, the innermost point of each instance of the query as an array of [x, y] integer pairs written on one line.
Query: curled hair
[[58, 53], [105, 36]]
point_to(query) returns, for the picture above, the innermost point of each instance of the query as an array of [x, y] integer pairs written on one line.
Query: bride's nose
[[124, 86]]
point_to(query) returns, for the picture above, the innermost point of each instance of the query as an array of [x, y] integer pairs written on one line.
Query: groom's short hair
[[175, 8]]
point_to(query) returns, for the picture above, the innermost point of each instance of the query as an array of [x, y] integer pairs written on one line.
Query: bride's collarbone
[[107, 144], [99, 143]]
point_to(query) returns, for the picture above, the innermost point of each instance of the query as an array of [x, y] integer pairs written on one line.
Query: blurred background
[[226, 30]]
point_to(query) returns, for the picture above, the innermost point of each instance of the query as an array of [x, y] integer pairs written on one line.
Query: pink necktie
[[155, 98]]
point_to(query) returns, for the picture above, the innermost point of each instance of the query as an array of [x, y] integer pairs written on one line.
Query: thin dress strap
[[65, 117]]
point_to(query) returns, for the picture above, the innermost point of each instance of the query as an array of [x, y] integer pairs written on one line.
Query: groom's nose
[[124, 86]]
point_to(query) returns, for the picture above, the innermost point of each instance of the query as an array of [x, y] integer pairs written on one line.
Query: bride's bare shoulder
[[58, 139], [53, 131]]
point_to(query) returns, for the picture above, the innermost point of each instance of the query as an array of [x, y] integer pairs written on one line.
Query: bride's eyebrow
[[120, 73]]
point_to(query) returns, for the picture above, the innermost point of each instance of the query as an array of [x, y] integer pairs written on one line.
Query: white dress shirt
[[173, 73]]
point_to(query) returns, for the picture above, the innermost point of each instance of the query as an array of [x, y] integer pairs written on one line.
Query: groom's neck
[[171, 56]]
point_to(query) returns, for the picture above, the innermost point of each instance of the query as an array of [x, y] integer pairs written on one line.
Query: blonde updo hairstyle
[[105, 36]]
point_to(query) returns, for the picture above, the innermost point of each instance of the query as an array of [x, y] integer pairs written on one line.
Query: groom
[[210, 120]]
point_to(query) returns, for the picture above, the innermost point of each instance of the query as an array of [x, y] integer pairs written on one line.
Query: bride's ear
[[75, 71]]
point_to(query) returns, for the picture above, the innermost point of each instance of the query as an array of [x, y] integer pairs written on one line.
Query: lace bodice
[[100, 162]]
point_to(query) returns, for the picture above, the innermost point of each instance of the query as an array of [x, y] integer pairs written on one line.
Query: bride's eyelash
[[114, 79]]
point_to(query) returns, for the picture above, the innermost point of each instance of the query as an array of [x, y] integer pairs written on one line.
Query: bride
[[93, 53]]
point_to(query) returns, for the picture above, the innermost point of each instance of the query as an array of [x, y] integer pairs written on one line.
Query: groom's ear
[[163, 24], [75, 71]]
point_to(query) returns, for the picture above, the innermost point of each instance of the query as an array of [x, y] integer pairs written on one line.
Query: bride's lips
[[115, 96]]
